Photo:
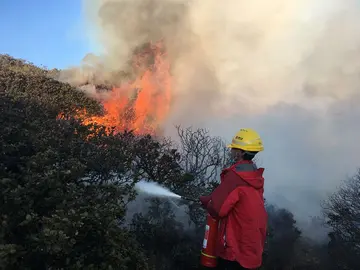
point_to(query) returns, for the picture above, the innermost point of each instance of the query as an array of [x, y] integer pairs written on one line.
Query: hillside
[[65, 188], [22, 80]]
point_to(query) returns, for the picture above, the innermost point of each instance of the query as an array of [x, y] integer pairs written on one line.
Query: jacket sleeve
[[224, 197], [205, 200]]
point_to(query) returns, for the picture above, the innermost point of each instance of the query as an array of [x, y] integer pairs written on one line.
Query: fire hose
[[208, 253]]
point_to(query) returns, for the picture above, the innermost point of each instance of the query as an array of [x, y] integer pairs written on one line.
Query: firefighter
[[238, 204]]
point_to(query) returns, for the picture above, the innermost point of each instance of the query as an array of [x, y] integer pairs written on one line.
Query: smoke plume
[[288, 68]]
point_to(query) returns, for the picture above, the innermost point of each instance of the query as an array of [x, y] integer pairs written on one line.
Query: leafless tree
[[202, 158], [202, 155], [342, 212]]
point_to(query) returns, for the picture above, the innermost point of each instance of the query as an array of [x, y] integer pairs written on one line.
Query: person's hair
[[249, 155]]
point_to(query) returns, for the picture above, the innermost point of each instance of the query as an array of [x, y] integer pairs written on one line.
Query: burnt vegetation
[[67, 198]]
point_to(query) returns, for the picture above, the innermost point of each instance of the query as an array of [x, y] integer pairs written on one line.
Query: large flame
[[143, 104]]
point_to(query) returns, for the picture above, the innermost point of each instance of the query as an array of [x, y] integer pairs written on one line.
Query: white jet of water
[[154, 189]]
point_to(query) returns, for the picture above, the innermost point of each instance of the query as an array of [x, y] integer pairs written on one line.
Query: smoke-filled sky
[[288, 68]]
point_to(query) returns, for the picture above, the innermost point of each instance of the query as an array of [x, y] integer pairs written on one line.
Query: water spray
[[154, 189], [189, 199]]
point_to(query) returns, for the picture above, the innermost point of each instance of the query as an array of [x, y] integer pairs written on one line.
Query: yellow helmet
[[247, 139]]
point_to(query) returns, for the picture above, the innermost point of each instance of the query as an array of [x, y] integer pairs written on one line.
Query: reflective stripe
[[245, 167], [209, 256]]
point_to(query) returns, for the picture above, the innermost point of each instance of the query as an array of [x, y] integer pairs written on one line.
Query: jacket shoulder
[[240, 167], [244, 167], [233, 179]]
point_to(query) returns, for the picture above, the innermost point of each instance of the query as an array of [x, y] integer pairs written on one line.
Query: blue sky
[[49, 33]]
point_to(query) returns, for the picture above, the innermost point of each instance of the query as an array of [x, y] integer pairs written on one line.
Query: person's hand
[[204, 200]]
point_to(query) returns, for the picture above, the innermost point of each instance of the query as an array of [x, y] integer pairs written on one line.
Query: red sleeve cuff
[[205, 200]]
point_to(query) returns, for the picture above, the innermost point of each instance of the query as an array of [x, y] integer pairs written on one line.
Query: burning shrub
[[140, 104]]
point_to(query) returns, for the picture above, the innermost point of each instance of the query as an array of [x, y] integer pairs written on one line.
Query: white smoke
[[288, 68]]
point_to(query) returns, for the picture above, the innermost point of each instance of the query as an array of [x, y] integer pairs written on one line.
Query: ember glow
[[143, 104]]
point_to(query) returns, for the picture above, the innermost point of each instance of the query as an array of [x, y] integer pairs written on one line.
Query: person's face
[[235, 153]]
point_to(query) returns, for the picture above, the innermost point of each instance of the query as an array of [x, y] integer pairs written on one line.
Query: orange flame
[[141, 105]]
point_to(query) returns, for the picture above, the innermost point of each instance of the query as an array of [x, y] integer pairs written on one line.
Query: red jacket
[[239, 204]]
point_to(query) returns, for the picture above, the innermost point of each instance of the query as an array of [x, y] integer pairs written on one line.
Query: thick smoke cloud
[[288, 68]]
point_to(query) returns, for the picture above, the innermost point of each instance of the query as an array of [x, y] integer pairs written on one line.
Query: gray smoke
[[288, 68]]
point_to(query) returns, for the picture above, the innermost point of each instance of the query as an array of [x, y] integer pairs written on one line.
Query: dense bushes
[[61, 208], [65, 189]]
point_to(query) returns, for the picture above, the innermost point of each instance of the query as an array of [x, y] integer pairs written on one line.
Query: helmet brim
[[251, 149]]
